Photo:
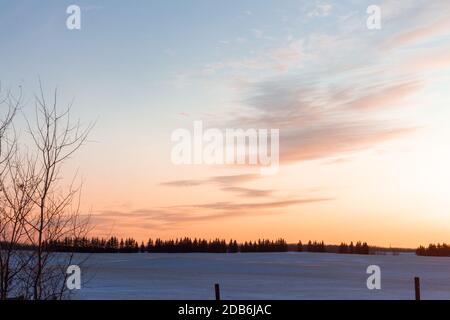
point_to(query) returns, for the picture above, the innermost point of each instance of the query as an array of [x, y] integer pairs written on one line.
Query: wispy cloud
[[225, 183], [386, 96], [420, 34], [248, 192], [431, 60], [225, 180], [317, 122], [320, 10], [172, 216], [336, 139]]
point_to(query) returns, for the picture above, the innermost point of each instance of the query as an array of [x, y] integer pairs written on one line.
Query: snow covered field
[[289, 275]]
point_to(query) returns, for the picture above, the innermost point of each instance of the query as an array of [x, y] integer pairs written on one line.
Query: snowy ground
[[261, 276]]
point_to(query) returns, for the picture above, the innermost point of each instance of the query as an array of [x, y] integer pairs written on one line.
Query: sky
[[363, 113]]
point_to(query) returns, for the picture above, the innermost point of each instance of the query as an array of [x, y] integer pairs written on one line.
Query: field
[[289, 275]]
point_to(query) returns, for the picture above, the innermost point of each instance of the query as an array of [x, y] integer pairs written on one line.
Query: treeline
[[279, 245], [434, 250], [188, 245], [311, 247], [94, 245], [343, 248], [359, 248], [184, 245]]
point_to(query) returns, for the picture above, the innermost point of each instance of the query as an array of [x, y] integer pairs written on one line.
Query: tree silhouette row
[[359, 248], [434, 250], [184, 245], [343, 248]]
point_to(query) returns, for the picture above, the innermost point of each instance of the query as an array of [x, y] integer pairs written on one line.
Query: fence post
[[417, 287], [217, 290]]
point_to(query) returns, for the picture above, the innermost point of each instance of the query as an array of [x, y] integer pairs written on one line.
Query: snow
[[290, 275]]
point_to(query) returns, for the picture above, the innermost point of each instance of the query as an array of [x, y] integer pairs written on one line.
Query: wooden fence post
[[217, 290], [417, 287]]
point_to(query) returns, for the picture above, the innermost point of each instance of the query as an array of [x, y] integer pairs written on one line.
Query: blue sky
[[343, 97]]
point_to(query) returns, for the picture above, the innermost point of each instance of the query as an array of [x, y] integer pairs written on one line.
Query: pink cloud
[[387, 96], [434, 60], [334, 141], [419, 34]]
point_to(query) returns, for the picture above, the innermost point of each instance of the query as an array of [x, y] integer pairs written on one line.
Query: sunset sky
[[363, 114]]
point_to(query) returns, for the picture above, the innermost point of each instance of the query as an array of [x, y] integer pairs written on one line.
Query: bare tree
[[12, 204], [57, 214], [36, 208], [17, 184], [9, 105]]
